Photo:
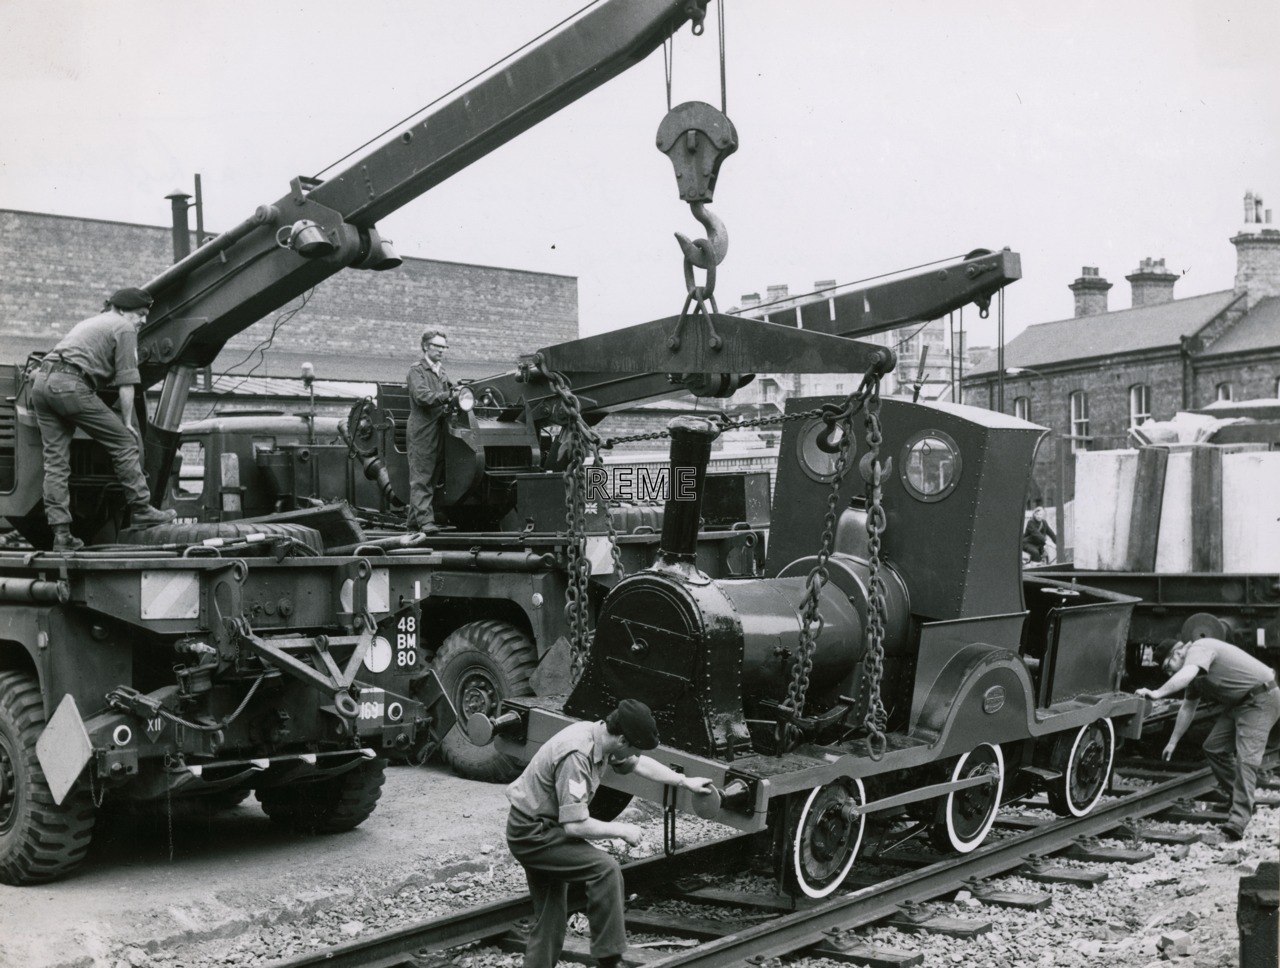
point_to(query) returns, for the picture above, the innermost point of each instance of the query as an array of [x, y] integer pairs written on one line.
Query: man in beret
[[99, 352], [1246, 690], [550, 823]]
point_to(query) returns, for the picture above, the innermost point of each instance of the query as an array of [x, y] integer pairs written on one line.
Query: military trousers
[[1234, 749], [553, 860], [63, 402]]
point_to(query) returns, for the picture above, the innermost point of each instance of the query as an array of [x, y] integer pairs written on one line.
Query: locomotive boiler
[[893, 660]]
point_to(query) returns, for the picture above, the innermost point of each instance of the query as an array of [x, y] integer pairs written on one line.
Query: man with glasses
[[1246, 690], [101, 351], [429, 394]]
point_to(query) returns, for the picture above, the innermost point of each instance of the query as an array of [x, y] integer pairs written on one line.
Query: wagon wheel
[[1084, 759], [966, 816], [828, 836]]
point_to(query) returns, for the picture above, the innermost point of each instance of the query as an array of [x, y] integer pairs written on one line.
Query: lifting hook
[[709, 252]]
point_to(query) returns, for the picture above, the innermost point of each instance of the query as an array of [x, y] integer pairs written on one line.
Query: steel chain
[[609, 442], [878, 608], [811, 620], [582, 442]]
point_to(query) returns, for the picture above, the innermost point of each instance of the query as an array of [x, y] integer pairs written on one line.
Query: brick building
[[355, 326], [1092, 378]]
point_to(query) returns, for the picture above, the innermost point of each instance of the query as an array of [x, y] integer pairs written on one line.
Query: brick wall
[[56, 270]]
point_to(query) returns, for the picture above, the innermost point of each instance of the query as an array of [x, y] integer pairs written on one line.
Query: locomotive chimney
[[691, 439]]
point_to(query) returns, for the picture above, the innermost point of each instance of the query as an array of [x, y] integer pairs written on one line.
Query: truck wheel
[[193, 534], [39, 840], [328, 806], [481, 664]]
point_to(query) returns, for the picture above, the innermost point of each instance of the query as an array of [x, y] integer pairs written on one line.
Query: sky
[[873, 137]]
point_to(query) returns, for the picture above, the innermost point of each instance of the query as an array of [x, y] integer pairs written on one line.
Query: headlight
[[466, 399]]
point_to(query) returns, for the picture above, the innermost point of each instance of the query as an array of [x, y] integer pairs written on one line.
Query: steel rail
[[396, 948], [786, 934], [803, 928]]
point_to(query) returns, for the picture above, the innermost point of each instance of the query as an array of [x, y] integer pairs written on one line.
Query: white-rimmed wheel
[[966, 816], [1084, 759], [828, 835]]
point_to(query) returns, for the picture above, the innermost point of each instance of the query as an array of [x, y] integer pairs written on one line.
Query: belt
[[1260, 688], [62, 366]]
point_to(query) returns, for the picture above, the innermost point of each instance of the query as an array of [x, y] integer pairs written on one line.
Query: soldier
[[101, 351], [550, 823], [430, 393], [1246, 690]]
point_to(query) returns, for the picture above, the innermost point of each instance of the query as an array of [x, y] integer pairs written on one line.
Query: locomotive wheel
[[966, 816], [1084, 759], [327, 806], [194, 533], [827, 838], [480, 664], [39, 840]]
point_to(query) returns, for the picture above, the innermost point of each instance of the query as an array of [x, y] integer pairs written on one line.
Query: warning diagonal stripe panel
[[170, 594]]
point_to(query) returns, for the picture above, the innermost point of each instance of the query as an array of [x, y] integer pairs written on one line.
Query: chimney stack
[[776, 294], [1090, 291], [1257, 254], [750, 300], [1152, 283]]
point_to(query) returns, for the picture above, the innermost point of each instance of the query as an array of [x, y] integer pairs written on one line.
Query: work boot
[[64, 540], [147, 517]]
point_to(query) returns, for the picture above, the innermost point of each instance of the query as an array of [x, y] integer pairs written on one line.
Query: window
[[1139, 404], [1022, 408], [1275, 391], [1079, 421], [1223, 392]]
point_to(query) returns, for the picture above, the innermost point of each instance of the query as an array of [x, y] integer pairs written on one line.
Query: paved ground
[[236, 866]]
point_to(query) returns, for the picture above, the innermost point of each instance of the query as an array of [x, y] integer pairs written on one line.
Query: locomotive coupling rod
[[852, 809]]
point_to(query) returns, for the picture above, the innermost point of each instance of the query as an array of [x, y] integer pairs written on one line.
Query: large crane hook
[[697, 138]]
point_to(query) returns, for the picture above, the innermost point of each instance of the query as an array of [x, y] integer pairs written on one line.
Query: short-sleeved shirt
[[563, 775], [105, 347], [1229, 673]]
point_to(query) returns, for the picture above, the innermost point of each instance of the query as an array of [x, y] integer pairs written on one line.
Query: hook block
[[697, 138]]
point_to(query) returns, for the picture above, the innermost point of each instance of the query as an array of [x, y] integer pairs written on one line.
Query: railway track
[[780, 926]]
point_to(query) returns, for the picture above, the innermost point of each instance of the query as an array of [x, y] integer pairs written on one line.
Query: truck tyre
[[194, 533], [327, 806], [480, 664], [39, 840]]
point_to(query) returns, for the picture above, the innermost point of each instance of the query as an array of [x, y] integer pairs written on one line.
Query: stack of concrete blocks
[[1178, 509]]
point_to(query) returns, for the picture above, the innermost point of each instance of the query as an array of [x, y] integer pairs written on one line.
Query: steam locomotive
[[910, 665]]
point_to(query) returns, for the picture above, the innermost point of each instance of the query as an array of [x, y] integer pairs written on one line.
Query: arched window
[[1275, 392], [1022, 408], [1224, 392], [1079, 420], [1139, 404]]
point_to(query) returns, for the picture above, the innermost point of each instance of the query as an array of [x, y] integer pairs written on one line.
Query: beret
[[130, 299], [1161, 651], [636, 723]]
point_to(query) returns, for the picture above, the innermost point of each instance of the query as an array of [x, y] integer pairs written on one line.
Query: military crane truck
[[490, 598], [267, 655]]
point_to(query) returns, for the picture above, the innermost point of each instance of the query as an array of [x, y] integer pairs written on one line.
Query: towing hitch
[[286, 655]]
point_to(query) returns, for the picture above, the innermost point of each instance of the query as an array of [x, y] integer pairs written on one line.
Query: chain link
[[812, 623], [609, 442], [878, 607], [580, 442]]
